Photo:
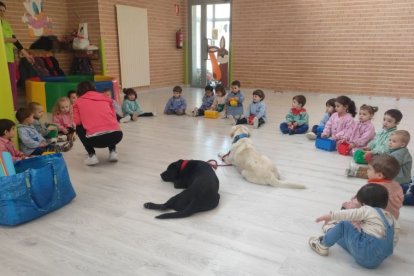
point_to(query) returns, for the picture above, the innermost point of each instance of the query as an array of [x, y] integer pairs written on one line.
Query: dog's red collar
[[183, 164]]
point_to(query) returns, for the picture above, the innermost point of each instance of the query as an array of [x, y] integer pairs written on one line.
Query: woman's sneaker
[[113, 156], [91, 160], [316, 245]]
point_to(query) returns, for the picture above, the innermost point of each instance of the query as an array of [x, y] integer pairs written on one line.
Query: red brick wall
[[166, 62], [339, 46]]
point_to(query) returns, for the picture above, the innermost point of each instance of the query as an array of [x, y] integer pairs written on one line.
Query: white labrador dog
[[253, 166]]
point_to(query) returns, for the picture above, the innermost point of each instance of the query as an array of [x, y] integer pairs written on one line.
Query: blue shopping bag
[[40, 186]]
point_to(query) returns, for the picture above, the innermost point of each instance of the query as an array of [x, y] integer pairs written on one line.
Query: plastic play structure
[[46, 90]]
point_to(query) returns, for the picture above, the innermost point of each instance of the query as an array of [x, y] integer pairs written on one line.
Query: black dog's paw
[[149, 205], [153, 206]]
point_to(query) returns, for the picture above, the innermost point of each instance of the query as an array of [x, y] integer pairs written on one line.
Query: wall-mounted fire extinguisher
[[179, 39]]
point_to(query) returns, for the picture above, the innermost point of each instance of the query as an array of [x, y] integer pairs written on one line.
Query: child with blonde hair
[[62, 115], [47, 130], [361, 133]]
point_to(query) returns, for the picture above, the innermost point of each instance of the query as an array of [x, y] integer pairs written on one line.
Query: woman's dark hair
[[374, 195], [3, 5], [259, 93], [5, 124], [23, 113], [394, 113], [84, 87], [129, 91], [344, 100], [221, 89]]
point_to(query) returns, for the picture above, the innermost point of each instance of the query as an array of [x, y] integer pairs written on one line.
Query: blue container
[[325, 144]]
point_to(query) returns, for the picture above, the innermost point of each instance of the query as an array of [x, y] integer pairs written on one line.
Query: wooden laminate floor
[[256, 230]]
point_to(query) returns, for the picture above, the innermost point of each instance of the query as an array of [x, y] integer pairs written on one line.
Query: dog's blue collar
[[240, 136]]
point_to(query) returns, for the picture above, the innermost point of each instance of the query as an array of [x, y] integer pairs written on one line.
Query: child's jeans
[[317, 130], [298, 130], [367, 250]]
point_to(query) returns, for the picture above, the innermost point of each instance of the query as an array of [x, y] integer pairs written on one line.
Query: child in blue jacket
[[256, 114], [176, 104]]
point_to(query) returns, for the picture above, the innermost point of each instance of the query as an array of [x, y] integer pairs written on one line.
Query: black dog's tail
[[188, 211]]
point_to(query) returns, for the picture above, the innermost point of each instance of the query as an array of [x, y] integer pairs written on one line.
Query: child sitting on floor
[[361, 133], [234, 101], [380, 143], [399, 140], [118, 110], [48, 131], [62, 115], [7, 133], [207, 102], [341, 120], [297, 118], [219, 102], [30, 140], [176, 104], [131, 107], [373, 241], [382, 169], [318, 129], [256, 114]]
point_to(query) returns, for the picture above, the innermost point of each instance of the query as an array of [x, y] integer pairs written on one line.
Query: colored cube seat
[[212, 114], [325, 144]]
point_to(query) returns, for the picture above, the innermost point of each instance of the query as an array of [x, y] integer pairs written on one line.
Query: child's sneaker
[[194, 113], [66, 146], [134, 116], [255, 122], [125, 119], [62, 138], [154, 114], [91, 160], [311, 135], [291, 132], [316, 245], [352, 170], [113, 156]]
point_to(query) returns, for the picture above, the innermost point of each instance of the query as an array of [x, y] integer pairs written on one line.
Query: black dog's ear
[[171, 174]]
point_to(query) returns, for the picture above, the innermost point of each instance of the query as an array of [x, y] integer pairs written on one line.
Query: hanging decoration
[[38, 22]]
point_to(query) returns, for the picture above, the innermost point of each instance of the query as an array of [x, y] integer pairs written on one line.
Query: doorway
[[209, 42]]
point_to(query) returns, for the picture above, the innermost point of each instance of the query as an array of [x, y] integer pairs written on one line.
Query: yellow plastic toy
[[233, 102], [212, 114]]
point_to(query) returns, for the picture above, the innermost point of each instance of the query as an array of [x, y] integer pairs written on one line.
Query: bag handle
[[55, 190]]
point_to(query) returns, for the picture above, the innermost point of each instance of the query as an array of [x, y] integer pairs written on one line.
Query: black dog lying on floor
[[201, 189]]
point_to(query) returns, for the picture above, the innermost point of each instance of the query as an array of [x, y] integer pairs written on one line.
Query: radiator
[[133, 46]]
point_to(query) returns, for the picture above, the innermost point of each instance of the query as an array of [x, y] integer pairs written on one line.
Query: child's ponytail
[[344, 100]]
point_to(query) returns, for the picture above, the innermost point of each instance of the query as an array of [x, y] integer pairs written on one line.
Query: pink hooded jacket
[[63, 120], [337, 126], [96, 113], [360, 134]]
